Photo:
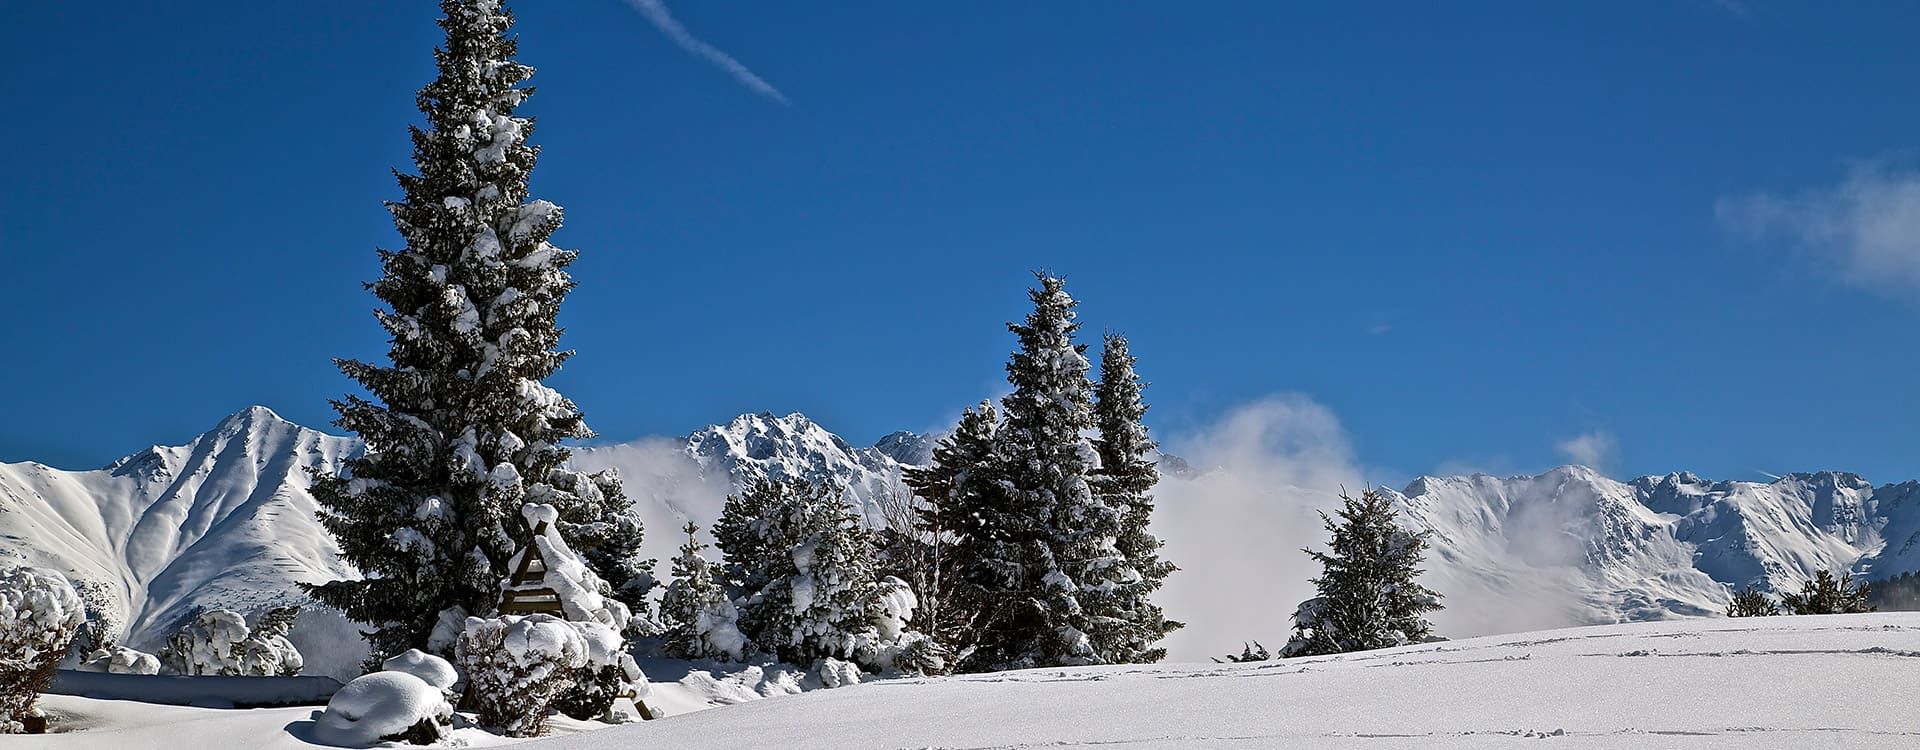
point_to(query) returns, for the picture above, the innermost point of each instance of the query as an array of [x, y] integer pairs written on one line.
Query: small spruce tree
[[461, 430], [1368, 593], [1249, 652], [701, 622], [1824, 595], [1126, 622], [1750, 602]]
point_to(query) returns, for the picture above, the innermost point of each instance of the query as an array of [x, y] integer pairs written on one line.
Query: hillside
[[1822, 681], [225, 520]]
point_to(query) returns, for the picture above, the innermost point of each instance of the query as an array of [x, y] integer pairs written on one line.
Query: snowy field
[[1842, 681]]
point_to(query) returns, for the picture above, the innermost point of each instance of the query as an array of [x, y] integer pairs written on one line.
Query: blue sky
[[1685, 232]]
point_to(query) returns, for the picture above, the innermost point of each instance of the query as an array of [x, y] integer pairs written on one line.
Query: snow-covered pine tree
[[812, 560], [750, 556], [701, 621], [1368, 595], [1126, 622], [461, 431], [951, 486], [1042, 539]]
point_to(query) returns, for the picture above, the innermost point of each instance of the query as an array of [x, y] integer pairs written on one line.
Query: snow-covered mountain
[[222, 521], [1575, 546], [226, 521]]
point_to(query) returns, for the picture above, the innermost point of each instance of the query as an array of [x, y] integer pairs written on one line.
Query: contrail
[[656, 13]]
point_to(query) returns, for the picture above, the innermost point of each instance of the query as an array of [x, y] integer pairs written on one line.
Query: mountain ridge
[[226, 520]]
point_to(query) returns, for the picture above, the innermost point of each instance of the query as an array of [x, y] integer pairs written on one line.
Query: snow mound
[[378, 705], [431, 669]]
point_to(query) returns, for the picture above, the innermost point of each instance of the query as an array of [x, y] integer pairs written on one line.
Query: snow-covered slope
[[1575, 546], [1777, 682], [226, 521], [222, 521]]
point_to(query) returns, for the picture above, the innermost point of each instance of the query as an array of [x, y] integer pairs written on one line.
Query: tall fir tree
[[1368, 593], [1127, 623], [462, 432], [951, 486], [1042, 539]]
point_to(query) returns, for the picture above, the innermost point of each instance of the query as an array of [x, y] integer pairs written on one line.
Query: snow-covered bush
[[609, 673], [836, 673], [517, 666], [121, 660], [206, 644], [218, 642], [39, 614], [384, 706], [600, 619], [266, 650], [104, 614]]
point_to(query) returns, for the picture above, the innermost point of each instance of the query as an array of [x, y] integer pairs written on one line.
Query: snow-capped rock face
[[762, 445], [908, 448], [1598, 550], [224, 521]]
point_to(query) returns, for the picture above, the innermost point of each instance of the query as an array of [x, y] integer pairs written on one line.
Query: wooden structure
[[525, 594]]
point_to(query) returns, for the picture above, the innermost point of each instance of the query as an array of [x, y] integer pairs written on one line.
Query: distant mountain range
[[226, 520]]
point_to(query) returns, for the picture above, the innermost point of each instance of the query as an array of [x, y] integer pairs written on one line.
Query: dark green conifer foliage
[[461, 431], [802, 564], [950, 488], [1824, 595], [1126, 623], [1368, 593], [694, 602], [1041, 539], [1749, 602], [1249, 652]]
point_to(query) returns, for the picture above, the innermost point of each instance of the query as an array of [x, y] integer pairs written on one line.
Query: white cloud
[[668, 489], [1867, 227], [1595, 450], [1236, 530], [656, 13]]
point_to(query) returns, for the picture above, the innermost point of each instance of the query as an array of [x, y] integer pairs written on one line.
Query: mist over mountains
[[226, 520]]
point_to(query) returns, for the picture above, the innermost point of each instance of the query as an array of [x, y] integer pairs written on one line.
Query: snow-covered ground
[[1822, 681]]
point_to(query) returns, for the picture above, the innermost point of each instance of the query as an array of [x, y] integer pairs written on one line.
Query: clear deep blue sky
[[1472, 230]]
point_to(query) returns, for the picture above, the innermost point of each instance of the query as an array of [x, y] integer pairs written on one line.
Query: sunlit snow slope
[[226, 520], [223, 521], [1842, 681]]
